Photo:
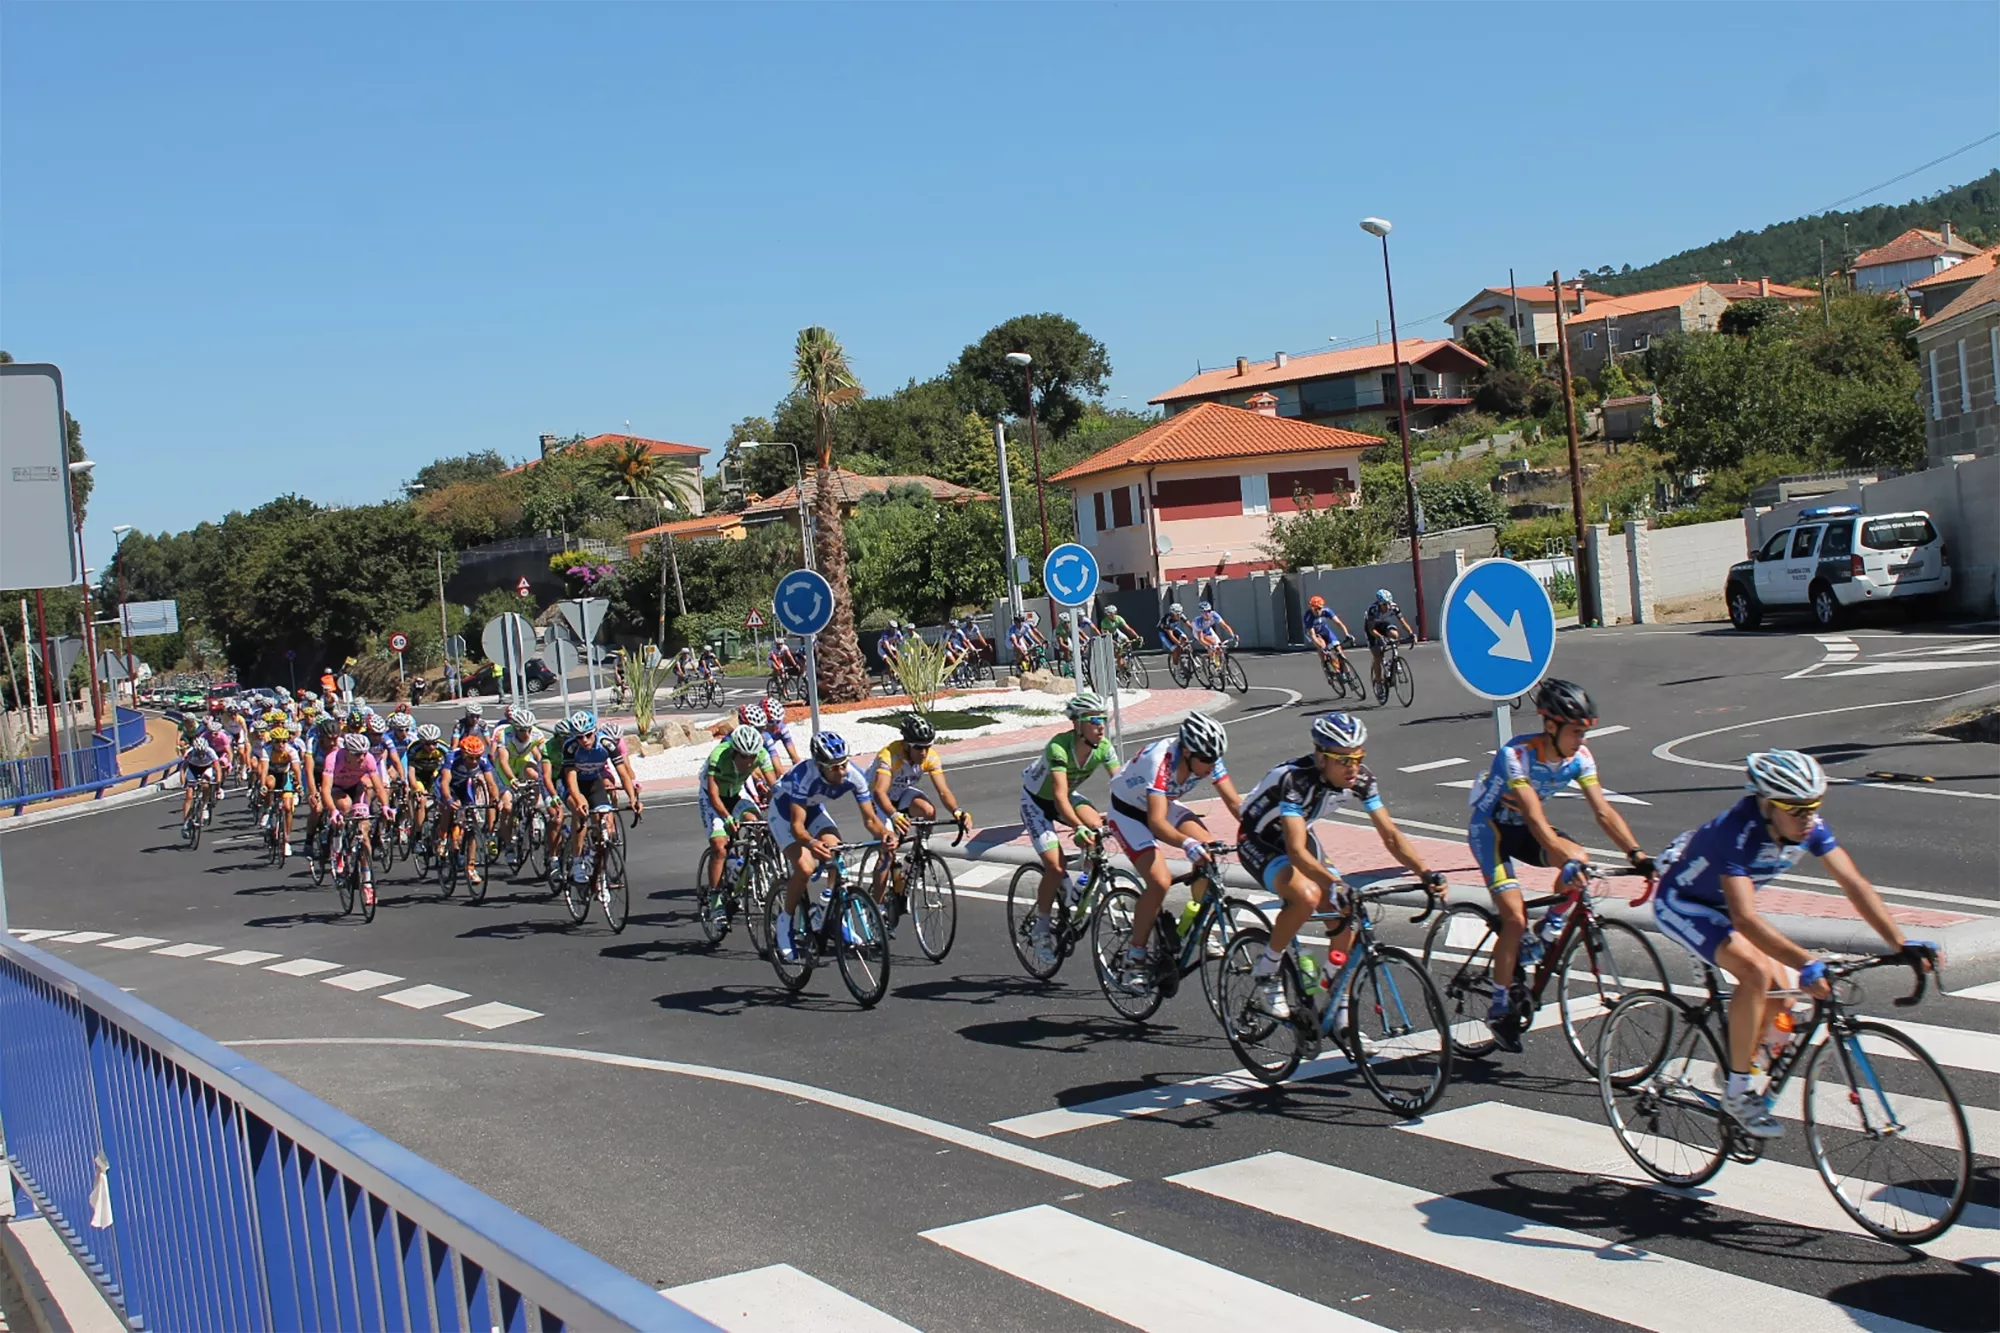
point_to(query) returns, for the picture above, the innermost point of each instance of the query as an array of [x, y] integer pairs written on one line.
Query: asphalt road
[[985, 1152]]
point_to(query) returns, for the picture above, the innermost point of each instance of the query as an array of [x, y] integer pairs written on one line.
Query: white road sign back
[[37, 523]]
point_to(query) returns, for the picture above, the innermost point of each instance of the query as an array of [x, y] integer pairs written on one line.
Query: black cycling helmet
[[1565, 700], [918, 731]]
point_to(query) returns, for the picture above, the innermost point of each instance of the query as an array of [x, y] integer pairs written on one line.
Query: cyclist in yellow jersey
[[893, 779], [517, 756]]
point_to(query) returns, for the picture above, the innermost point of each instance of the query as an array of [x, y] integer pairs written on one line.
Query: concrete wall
[[1608, 564], [1348, 591], [1690, 561]]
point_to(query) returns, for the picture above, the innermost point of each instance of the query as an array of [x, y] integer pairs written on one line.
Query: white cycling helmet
[[430, 731], [745, 740], [1339, 731], [354, 742], [1785, 775], [201, 751], [1382, 595], [1203, 737], [894, 625], [1084, 704], [1176, 609], [521, 717], [1067, 618], [402, 721], [475, 709]]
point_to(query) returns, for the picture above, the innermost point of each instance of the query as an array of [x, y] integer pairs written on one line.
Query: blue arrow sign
[[1070, 575], [1499, 629], [803, 602]]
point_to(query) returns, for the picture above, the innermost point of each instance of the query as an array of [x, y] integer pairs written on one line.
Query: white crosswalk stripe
[[781, 1299], [1990, 992]]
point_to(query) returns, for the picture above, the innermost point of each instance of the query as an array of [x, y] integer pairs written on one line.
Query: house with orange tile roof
[[1530, 311], [1911, 257], [708, 528], [1195, 496], [1329, 387], [1601, 331], [1932, 294], [1958, 351]]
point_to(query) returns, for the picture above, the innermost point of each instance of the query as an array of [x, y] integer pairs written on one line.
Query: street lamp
[[119, 533], [805, 538], [672, 561], [1381, 227], [1024, 361]]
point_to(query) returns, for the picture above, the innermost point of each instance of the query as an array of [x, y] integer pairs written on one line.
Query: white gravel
[[864, 738]]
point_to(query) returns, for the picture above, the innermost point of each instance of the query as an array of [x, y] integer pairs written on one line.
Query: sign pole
[[402, 681], [48, 692], [1503, 725], [812, 679]]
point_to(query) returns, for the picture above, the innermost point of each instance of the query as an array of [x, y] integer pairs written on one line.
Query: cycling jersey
[[956, 642], [1296, 789], [524, 753], [1382, 616], [890, 638], [1065, 754], [805, 787], [589, 760], [1205, 622], [1155, 770], [469, 726], [460, 772], [1174, 630], [730, 780], [1735, 842], [1320, 622], [779, 742], [281, 757], [1517, 765], [553, 758], [349, 771], [425, 758], [903, 775]]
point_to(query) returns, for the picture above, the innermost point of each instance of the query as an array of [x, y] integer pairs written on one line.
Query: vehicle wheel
[[1458, 955], [1827, 611], [1140, 676], [794, 975], [1182, 669], [1021, 922], [1404, 683], [1110, 929], [366, 894], [1744, 612], [1267, 1047], [1665, 1103], [864, 951], [448, 864], [1243, 915], [1601, 967], [420, 852], [1335, 679], [615, 885], [343, 884], [1234, 676], [191, 829], [1399, 1025], [933, 907], [1354, 685]]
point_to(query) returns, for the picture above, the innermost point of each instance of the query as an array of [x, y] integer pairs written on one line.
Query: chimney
[[1763, 286], [1581, 300], [1945, 231], [1242, 365], [1282, 360], [1263, 404], [548, 444]]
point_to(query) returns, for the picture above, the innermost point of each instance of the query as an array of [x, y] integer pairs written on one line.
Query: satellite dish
[[1164, 544]]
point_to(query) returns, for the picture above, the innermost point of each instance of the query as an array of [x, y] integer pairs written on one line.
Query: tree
[[565, 491], [1494, 343], [643, 475], [483, 465], [1504, 393], [822, 376], [473, 512], [1744, 317], [917, 557], [1067, 361], [1336, 536]]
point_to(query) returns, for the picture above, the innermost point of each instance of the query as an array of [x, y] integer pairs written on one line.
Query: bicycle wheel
[[1400, 1039], [1181, 667], [752, 888], [1233, 675], [449, 862], [1458, 954], [1403, 683], [1899, 1163], [1140, 677], [477, 861], [1336, 680], [864, 950], [1021, 922], [316, 857], [343, 884], [711, 911], [537, 860], [191, 828], [1110, 933], [1604, 963], [1269, 1048], [365, 892], [1241, 914], [421, 848], [793, 975], [1659, 1074], [382, 847], [613, 885], [577, 897], [1353, 679], [933, 906]]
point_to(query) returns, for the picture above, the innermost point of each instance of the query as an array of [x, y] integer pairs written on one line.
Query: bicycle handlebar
[[1903, 957], [928, 824]]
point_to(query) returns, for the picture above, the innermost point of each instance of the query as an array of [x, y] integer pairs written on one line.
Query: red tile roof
[[688, 453], [1316, 366], [851, 486], [1916, 243], [686, 529], [1217, 431], [1977, 266], [1978, 294], [1636, 303], [1750, 291], [1542, 295]]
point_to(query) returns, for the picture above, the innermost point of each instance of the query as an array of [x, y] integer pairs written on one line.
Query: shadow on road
[[1077, 1034]]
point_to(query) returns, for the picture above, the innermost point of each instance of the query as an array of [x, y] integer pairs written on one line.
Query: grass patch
[[944, 719]]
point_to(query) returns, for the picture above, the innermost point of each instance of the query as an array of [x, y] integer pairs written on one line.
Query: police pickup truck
[[1834, 558]]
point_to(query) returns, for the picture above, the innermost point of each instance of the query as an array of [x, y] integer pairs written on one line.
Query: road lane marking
[[1435, 763], [1989, 991], [1613, 730], [30, 936], [361, 980], [425, 996], [244, 957], [131, 942], [1128, 1278], [978, 876], [304, 967], [1928, 1119], [780, 1299], [969, 1139], [492, 1014], [1768, 1188], [1608, 1279], [187, 950], [82, 937]]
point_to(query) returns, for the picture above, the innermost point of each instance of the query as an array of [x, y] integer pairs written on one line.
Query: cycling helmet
[[1206, 606], [1339, 731], [1565, 701], [1316, 603], [311, 696], [475, 709], [376, 725], [829, 747], [473, 745], [280, 735], [1785, 775], [1067, 617], [201, 751], [402, 721], [609, 736], [1084, 704], [894, 625], [1104, 608], [774, 710], [357, 721], [430, 731], [754, 716], [354, 743], [582, 722], [745, 740], [1176, 609], [918, 731], [521, 717], [560, 729], [1203, 737], [326, 726]]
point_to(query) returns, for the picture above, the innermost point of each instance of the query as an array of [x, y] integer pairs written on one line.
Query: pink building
[[1196, 494]]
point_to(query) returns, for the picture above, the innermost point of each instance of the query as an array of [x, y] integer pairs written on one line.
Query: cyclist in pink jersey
[[350, 777]]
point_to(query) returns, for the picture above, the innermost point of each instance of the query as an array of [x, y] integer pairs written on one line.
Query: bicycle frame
[[1336, 921]]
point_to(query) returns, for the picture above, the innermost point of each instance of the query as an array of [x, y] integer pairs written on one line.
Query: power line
[[1859, 194]]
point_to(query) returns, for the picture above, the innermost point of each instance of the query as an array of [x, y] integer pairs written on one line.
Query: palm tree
[[639, 472], [820, 372]]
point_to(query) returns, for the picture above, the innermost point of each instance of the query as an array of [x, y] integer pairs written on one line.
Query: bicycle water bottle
[[1776, 1038], [1551, 926], [1073, 886], [1309, 976], [1335, 961], [818, 914]]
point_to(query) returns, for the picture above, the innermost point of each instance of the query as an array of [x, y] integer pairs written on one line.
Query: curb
[[1972, 942], [60, 813]]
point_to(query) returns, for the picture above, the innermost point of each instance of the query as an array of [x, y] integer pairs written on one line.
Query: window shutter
[[1256, 493]]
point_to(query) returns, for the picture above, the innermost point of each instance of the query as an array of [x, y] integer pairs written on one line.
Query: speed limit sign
[[398, 642]]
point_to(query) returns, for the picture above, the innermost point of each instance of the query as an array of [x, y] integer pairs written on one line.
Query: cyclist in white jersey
[[805, 833]]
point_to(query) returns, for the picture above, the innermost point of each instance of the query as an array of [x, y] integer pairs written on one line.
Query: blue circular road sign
[[1499, 629], [803, 602], [1070, 575]]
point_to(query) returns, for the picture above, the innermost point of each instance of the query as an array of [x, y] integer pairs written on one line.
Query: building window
[[1589, 341], [1964, 380], [1937, 404], [1121, 507], [1329, 486], [1198, 497], [1993, 363], [1097, 503], [1256, 493], [1639, 341], [1701, 322], [1324, 398]]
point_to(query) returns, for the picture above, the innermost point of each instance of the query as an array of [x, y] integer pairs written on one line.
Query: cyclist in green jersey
[[1118, 627], [733, 778], [517, 755], [553, 766], [1049, 799]]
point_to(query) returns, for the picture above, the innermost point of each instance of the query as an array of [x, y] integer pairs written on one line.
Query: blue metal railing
[[97, 789], [95, 762], [130, 729], [230, 1199]]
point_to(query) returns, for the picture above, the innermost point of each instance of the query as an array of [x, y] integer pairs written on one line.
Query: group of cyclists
[[962, 642], [1073, 630]]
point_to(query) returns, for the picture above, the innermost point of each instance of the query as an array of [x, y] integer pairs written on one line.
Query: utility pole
[[1586, 591], [1825, 310], [1007, 516], [1514, 292]]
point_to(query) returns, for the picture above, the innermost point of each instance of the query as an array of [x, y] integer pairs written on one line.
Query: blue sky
[[311, 247]]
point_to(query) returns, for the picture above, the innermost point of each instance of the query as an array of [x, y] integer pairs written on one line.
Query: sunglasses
[[1354, 758], [1091, 721], [1797, 807]]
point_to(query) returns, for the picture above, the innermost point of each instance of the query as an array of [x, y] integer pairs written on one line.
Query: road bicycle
[[1131, 669], [1075, 908], [750, 867], [1396, 675], [788, 685], [463, 850], [351, 877], [606, 884], [1170, 955], [276, 845], [528, 839], [840, 920], [1341, 677], [1183, 664], [1595, 961], [700, 692], [1220, 670], [927, 895], [200, 810], [1396, 1033], [1883, 1124]]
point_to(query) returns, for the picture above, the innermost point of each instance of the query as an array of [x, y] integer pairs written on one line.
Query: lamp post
[[1025, 361], [805, 536], [119, 534], [1380, 227]]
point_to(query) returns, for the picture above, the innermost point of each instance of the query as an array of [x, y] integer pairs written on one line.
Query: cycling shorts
[[1696, 927], [819, 822], [357, 794], [712, 823], [899, 799], [1039, 818], [1497, 846], [595, 791], [1134, 834], [1379, 638], [1267, 864]]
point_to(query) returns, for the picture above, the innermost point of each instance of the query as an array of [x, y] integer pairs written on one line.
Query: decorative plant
[[920, 666], [644, 679]]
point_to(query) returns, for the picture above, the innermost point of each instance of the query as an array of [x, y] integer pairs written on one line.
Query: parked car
[[1835, 558]]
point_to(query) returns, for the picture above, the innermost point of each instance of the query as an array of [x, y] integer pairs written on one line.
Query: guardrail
[[200, 1190], [97, 788], [130, 727], [33, 778]]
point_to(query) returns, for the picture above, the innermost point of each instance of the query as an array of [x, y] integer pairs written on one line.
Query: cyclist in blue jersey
[[889, 645], [1707, 903], [1508, 824], [803, 829], [1324, 629], [589, 764]]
